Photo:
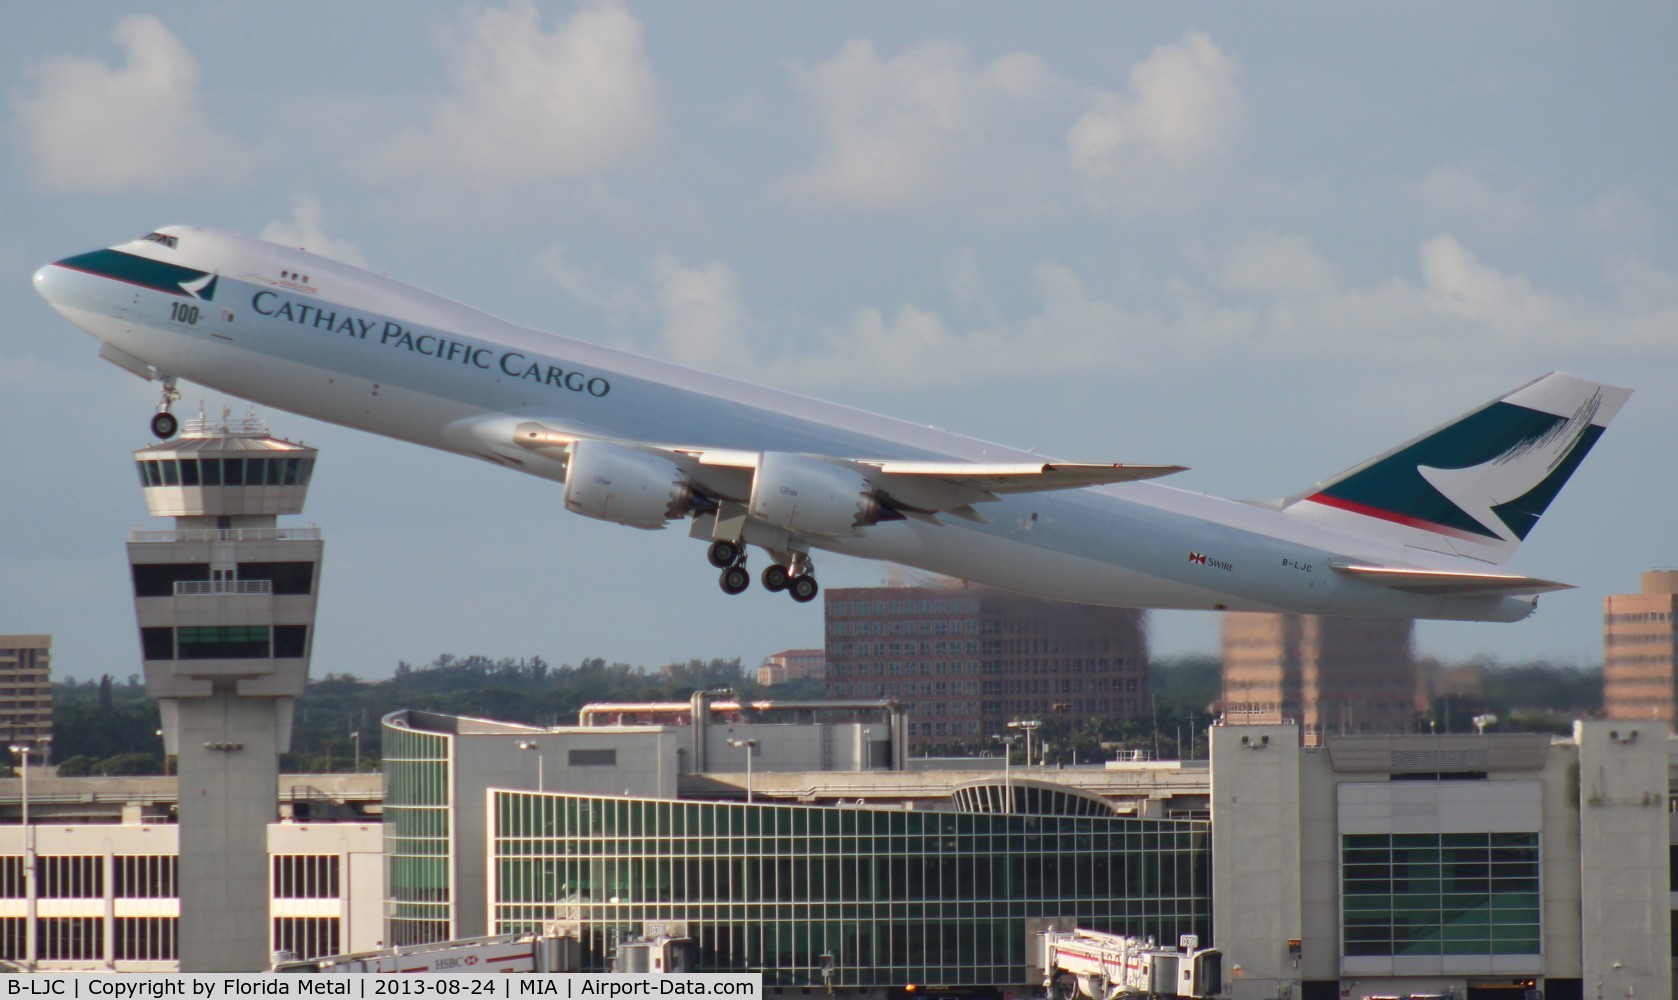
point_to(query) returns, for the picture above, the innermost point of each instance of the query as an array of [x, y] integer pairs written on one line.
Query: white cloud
[[900, 130], [1616, 217], [590, 286], [1282, 265], [1183, 106], [1456, 195], [1460, 284], [304, 230], [1292, 305], [703, 321], [86, 127], [530, 104]]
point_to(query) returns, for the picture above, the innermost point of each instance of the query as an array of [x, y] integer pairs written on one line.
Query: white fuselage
[[302, 333]]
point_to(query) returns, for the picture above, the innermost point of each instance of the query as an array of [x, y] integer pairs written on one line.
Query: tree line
[[112, 728]]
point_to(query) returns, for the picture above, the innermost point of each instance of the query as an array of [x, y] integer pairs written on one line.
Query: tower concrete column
[[226, 606]]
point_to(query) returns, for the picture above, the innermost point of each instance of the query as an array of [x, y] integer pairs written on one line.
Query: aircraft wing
[[911, 487], [1449, 583]]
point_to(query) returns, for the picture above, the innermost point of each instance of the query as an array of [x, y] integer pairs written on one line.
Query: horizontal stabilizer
[[1451, 583]]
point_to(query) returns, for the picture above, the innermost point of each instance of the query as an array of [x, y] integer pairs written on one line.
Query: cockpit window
[[169, 241]]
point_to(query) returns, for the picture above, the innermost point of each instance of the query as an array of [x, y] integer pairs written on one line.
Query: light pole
[[532, 745], [22, 751], [356, 736], [750, 746], [1027, 726], [1007, 764]]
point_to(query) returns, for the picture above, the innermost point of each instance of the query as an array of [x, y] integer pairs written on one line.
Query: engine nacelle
[[808, 496], [624, 486]]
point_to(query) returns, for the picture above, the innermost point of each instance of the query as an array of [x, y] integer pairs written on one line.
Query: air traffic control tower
[[226, 608]]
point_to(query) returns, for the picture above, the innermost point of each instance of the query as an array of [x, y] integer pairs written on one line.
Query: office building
[[1332, 676], [108, 892], [26, 689], [792, 665], [965, 661], [225, 602], [1640, 651]]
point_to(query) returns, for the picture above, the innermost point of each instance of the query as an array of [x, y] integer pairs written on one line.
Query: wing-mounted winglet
[[1450, 583]]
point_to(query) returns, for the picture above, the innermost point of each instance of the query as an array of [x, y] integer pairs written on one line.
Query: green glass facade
[[418, 835], [896, 897], [1440, 894]]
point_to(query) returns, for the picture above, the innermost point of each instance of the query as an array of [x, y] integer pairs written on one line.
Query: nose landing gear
[[163, 423]]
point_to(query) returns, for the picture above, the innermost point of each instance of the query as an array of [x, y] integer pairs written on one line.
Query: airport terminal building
[[797, 839], [1485, 867]]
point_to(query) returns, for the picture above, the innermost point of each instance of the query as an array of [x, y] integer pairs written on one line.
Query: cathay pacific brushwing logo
[[1505, 495], [1487, 476], [202, 287]]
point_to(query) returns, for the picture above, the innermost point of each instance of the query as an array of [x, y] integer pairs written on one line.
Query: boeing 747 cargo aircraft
[[1420, 531]]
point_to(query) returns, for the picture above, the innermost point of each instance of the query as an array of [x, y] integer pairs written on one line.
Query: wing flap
[[1450, 583]]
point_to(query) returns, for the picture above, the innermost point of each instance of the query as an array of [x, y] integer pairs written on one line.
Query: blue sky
[[1265, 243]]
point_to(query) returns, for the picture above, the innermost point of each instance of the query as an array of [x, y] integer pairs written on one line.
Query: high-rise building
[[226, 607], [26, 689], [966, 661], [1640, 650], [1330, 676]]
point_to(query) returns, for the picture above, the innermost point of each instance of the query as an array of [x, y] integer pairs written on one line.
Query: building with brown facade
[[1330, 676], [26, 690], [1640, 650], [965, 661], [791, 665]]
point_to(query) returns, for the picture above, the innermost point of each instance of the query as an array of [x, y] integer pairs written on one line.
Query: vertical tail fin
[[1477, 485]]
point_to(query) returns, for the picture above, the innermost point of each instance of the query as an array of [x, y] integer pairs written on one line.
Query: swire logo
[[1202, 559]]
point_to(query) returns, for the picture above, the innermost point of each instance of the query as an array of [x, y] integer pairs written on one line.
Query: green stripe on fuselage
[[142, 271]]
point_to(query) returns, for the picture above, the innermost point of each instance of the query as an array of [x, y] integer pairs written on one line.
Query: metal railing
[[228, 535], [203, 588]]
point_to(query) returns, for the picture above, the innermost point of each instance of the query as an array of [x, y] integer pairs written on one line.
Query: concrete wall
[[1257, 858], [1623, 858]]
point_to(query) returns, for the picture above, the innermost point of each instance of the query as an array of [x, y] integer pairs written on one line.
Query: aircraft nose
[[49, 282]]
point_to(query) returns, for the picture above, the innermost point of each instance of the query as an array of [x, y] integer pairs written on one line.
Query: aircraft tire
[[775, 578], [164, 425], [735, 580], [723, 554], [803, 588]]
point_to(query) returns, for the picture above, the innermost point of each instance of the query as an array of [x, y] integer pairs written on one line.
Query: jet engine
[[625, 486], [808, 496]]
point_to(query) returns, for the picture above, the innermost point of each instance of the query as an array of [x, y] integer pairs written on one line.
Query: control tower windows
[[158, 579], [225, 642], [278, 471], [290, 579], [221, 642]]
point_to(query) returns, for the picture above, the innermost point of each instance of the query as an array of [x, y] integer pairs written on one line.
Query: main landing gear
[[163, 423], [797, 579]]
